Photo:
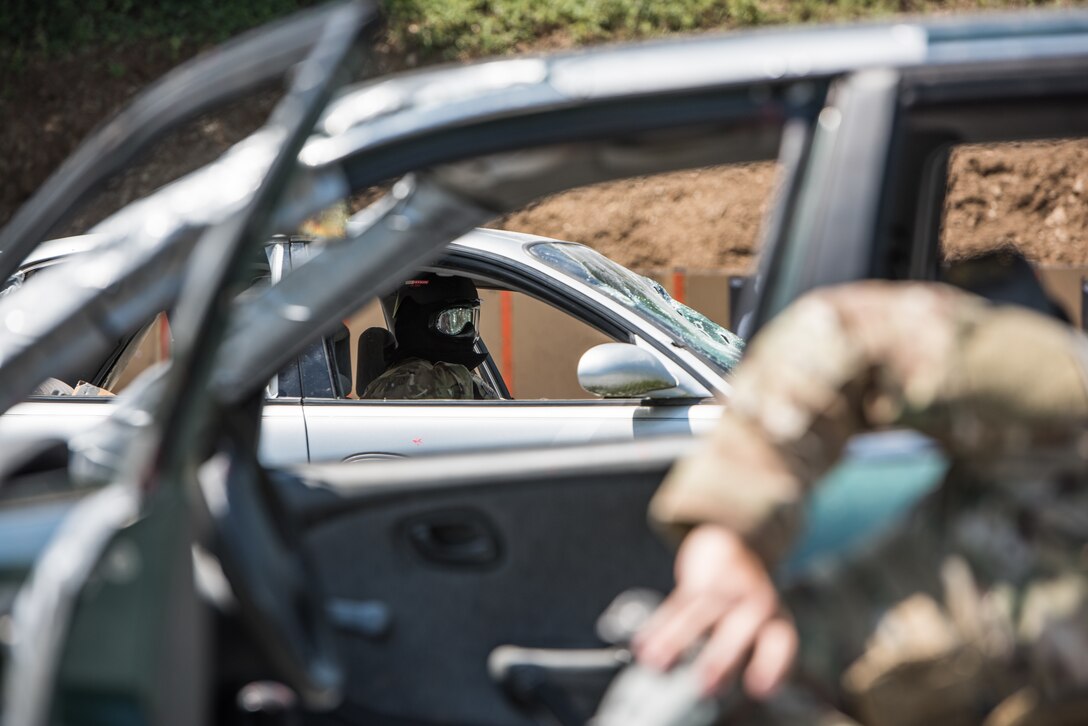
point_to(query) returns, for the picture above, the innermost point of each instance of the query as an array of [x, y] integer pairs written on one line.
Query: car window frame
[[483, 265], [600, 316], [1026, 94], [905, 160], [315, 365]]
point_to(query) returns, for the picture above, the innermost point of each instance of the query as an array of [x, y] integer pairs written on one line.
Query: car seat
[[1003, 275], [339, 353], [373, 350]]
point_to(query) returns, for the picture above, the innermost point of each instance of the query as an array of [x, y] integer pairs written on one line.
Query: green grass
[[470, 28], [461, 29], [35, 28], [420, 31]]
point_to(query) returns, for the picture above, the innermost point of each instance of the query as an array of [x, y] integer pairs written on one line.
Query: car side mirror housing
[[623, 370]]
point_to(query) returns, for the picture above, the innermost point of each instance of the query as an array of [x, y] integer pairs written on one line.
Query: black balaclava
[[413, 307]]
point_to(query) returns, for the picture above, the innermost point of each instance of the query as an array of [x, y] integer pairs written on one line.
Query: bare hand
[[723, 593]]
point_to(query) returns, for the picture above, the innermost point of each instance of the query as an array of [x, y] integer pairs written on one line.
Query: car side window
[[150, 346], [534, 348]]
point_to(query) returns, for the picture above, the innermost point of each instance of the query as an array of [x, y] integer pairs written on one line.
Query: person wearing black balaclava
[[435, 321]]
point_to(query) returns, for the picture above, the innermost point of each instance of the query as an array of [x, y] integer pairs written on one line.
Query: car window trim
[[38, 398], [533, 402], [824, 240], [605, 320], [594, 122]]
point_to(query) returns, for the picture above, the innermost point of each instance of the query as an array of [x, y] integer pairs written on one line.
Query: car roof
[[63, 247], [409, 103], [501, 242]]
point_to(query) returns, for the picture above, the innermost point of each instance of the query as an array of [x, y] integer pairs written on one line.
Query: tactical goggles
[[457, 320]]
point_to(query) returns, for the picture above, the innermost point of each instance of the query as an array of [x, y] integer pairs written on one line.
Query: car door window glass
[[151, 346], [534, 348]]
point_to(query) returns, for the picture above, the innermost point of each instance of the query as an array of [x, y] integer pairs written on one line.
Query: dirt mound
[[52, 105], [1033, 196], [49, 107], [701, 219]]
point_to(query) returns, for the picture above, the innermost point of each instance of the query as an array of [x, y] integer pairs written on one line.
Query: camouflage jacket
[[417, 379], [987, 582]]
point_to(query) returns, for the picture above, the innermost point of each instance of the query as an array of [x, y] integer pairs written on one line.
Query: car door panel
[[466, 554], [283, 433], [431, 564], [338, 430], [52, 418]]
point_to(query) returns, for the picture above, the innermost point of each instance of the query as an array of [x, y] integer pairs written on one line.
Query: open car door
[[462, 587]]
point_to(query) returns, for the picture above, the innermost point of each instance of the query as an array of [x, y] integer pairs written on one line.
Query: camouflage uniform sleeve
[[487, 393], [417, 379], [985, 381], [396, 382]]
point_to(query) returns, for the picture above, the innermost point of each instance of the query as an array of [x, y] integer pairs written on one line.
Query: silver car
[[604, 328]]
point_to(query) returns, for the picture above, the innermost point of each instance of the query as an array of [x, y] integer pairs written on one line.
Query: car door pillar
[[827, 238]]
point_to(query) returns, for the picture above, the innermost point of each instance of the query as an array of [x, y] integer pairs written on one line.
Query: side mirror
[[623, 370]]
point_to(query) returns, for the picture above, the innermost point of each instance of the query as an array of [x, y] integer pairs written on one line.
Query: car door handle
[[560, 685], [505, 660], [462, 538]]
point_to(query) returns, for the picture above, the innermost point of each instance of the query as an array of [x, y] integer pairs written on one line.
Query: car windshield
[[687, 327]]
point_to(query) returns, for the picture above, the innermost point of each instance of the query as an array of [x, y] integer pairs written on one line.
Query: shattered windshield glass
[[687, 327]]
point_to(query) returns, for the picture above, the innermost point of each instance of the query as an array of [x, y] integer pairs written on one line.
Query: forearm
[[863, 356], [792, 407]]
